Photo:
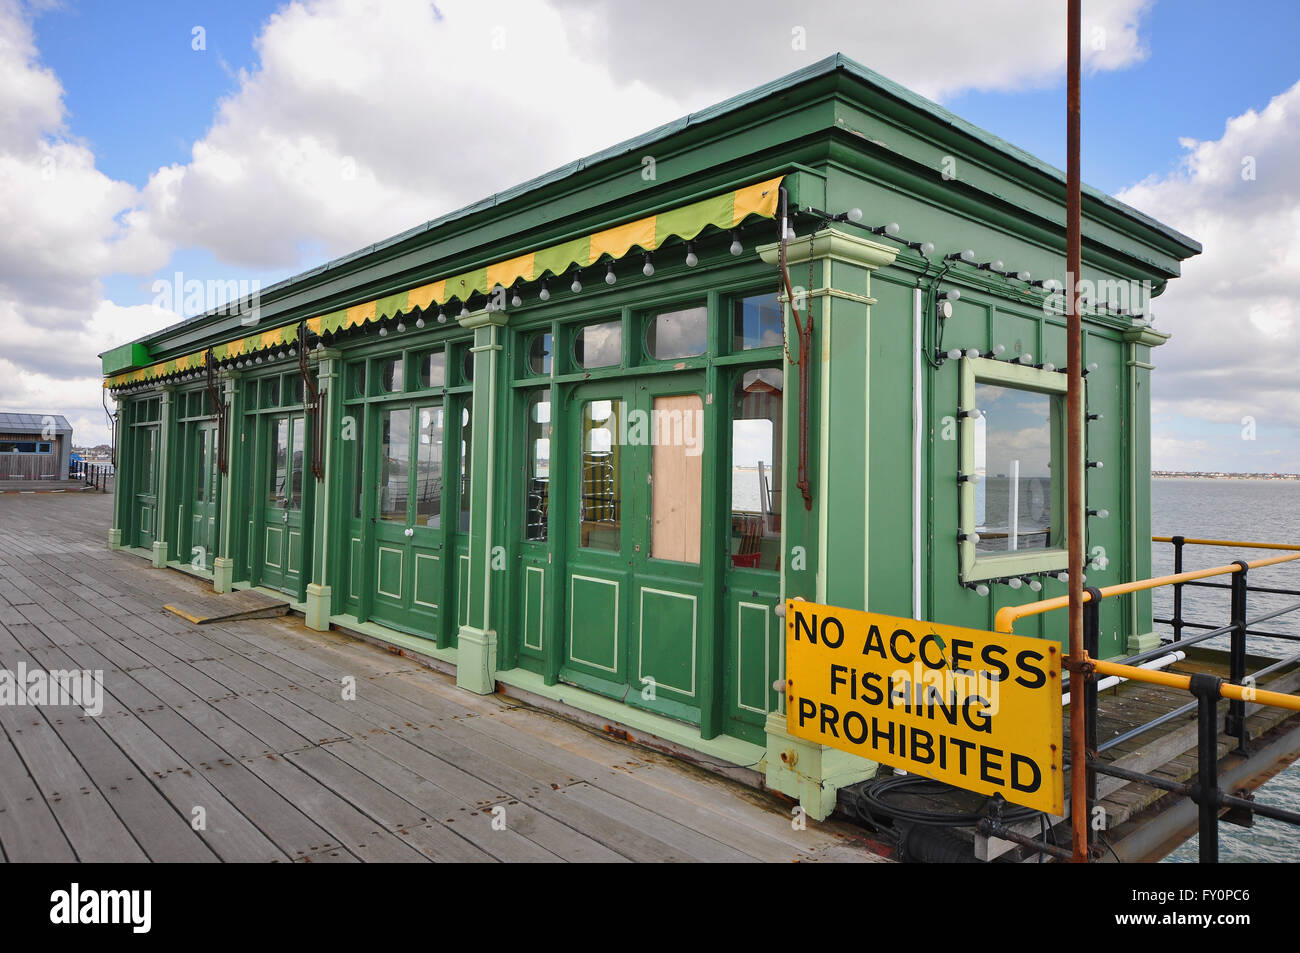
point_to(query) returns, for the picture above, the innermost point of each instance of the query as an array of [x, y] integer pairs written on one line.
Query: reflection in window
[[201, 466], [756, 402], [428, 468], [394, 464], [537, 504], [298, 388], [539, 353], [599, 345], [1013, 451], [756, 322], [390, 375], [295, 474], [467, 367], [675, 334], [357, 380], [433, 369], [466, 467], [358, 462], [599, 509], [271, 392], [279, 459]]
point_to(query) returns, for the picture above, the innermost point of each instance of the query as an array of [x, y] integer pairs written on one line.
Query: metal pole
[[1091, 645], [1074, 539], [1206, 689], [1236, 722], [1178, 588]]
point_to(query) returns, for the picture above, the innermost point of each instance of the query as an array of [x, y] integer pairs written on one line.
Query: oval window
[[599, 345], [390, 375], [539, 353], [467, 366], [675, 334]]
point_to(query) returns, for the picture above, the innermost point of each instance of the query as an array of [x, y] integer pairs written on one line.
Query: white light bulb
[[973, 352], [981, 590], [1049, 366], [736, 247], [954, 354], [516, 300], [1102, 514], [576, 286], [1035, 585], [442, 318], [610, 277], [419, 322], [1024, 276], [1091, 368], [998, 349], [400, 327], [544, 294], [647, 269], [997, 264], [892, 228], [855, 214], [1014, 582], [692, 259], [953, 294], [927, 248], [968, 254], [1026, 358], [975, 413]]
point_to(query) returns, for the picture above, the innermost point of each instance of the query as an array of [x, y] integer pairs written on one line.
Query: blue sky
[[213, 162]]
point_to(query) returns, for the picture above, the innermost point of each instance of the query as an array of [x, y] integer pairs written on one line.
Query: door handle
[[286, 516], [409, 532]]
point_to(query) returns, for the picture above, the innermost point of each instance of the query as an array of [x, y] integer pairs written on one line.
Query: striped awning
[[647, 234]]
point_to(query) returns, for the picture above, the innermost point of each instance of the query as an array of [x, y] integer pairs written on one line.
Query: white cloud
[[1235, 312], [704, 51]]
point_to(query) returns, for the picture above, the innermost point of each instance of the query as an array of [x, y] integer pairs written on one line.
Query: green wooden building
[[581, 439]]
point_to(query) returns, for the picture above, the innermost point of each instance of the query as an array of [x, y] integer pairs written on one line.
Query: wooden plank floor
[[247, 721]]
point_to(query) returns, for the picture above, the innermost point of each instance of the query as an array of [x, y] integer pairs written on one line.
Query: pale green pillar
[[119, 441], [325, 512], [1138, 343], [164, 471], [476, 661], [223, 566], [835, 538]]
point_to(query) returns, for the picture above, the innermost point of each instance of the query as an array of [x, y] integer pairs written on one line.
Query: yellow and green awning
[[720, 211]]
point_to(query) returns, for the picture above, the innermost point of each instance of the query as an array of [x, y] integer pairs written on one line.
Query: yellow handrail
[[1008, 616], [1234, 543], [1242, 693]]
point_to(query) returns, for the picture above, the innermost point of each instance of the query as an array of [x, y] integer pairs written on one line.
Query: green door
[[407, 552], [635, 531], [282, 502], [203, 499], [146, 485]]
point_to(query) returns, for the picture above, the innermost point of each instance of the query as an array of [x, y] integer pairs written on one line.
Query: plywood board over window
[[677, 480]]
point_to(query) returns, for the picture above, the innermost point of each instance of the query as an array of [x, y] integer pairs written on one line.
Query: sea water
[[1255, 511]]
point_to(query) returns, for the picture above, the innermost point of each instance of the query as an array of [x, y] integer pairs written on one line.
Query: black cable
[[873, 793]]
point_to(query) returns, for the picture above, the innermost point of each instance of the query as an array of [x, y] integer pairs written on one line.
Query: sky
[[248, 141]]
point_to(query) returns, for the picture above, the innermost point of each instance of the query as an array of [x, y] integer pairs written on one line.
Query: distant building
[[34, 446]]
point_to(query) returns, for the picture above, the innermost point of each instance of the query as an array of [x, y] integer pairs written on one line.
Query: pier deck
[[245, 724]]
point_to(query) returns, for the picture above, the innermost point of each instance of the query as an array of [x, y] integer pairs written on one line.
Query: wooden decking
[[247, 721]]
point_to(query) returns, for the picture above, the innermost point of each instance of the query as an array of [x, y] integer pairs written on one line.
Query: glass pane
[[539, 354], [428, 467], [676, 478], [390, 375], [279, 460], [201, 466], [298, 388], [394, 464], [213, 473], [600, 486], [271, 392], [466, 471], [1013, 452], [467, 367], [148, 435], [599, 345], [756, 470], [433, 369], [539, 464], [356, 380], [756, 322], [295, 473], [675, 334]]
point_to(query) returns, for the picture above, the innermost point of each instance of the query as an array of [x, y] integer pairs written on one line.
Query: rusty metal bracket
[[804, 330]]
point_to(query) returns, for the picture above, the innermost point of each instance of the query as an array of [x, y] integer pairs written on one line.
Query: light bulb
[[400, 327], [577, 285], [927, 248], [997, 264], [545, 293], [953, 294], [610, 277], [736, 246], [464, 309], [1102, 514], [1035, 585], [1014, 582], [419, 322], [442, 318], [1091, 368], [981, 590], [954, 354], [968, 254], [1049, 366], [855, 214], [973, 352], [1026, 358], [648, 268], [998, 349], [892, 228], [1024, 276], [691, 258], [515, 299]]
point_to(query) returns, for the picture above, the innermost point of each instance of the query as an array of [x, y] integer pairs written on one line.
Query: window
[[599, 345], [600, 483], [756, 322], [676, 334], [1014, 448], [756, 404], [433, 369], [539, 353], [390, 375], [428, 472], [538, 454]]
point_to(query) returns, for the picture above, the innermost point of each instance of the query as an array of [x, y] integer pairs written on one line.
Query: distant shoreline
[[1201, 475]]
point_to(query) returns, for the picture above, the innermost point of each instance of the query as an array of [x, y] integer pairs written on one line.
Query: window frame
[[973, 565]]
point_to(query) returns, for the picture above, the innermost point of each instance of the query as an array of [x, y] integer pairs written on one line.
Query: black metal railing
[[92, 474]]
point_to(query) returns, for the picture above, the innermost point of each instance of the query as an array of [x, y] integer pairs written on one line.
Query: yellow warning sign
[[978, 710]]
